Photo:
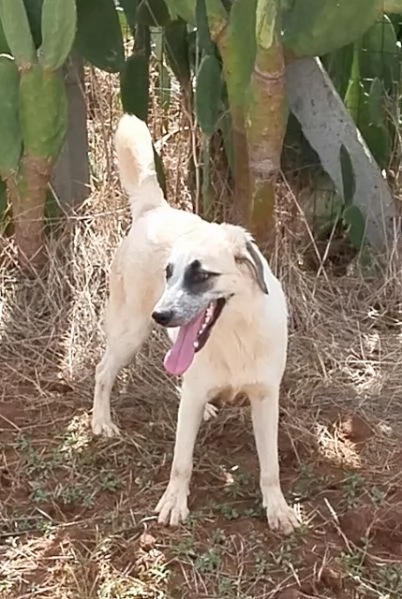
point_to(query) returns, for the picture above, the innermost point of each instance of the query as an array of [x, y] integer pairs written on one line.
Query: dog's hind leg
[[120, 348], [265, 414]]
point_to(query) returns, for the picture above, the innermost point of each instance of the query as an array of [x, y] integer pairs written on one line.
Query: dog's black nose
[[163, 318]]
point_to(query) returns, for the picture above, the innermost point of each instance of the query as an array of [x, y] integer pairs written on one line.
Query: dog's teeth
[[196, 344]]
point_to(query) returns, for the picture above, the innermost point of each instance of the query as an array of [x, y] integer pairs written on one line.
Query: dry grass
[[76, 515]]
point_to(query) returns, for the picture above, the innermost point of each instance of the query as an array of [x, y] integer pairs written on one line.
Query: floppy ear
[[253, 259], [246, 252]]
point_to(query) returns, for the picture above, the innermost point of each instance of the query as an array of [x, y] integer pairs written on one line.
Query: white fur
[[246, 351]]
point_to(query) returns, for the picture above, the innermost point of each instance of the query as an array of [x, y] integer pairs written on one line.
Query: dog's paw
[[104, 427], [210, 411], [281, 517], [172, 507]]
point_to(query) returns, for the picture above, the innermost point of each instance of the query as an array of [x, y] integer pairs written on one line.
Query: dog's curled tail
[[136, 163]]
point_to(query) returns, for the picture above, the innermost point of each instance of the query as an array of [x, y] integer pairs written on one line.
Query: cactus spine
[[34, 114]]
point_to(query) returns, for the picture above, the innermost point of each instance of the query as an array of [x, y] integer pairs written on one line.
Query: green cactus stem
[[43, 112], [10, 138], [33, 115], [16, 29], [266, 121], [59, 21], [224, 35]]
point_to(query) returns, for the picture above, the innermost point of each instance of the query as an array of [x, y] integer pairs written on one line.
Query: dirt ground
[[76, 513]]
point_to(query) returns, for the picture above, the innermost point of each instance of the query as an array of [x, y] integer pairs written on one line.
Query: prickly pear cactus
[[43, 112], [59, 18], [316, 27], [99, 38], [10, 138], [33, 112]]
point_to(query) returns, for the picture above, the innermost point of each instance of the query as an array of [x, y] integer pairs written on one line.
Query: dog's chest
[[235, 361]]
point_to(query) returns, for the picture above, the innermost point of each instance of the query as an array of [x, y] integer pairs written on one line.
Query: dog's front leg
[[172, 506], [265, 414]]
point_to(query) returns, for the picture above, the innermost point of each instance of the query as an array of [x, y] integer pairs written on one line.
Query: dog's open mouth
[[191, 338]]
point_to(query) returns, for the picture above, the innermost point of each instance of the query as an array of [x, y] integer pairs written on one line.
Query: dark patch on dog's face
[[197, 279], [169, 271]]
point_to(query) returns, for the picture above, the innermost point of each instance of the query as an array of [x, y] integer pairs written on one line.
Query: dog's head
[[205, 270]]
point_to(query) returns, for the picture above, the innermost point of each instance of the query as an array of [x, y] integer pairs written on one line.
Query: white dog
[[224, 311]]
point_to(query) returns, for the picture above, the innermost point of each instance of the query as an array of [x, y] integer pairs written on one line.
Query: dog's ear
[[253, 259], [246, 252]]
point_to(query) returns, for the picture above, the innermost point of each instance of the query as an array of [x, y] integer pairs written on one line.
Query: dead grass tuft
[[76, 515]]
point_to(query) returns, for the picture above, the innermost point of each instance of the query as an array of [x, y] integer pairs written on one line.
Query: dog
[[225, 312]]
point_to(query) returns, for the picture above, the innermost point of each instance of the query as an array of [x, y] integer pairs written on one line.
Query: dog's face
[[203, 272]]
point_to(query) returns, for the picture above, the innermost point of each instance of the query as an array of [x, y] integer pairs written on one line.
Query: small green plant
[[39, 494], [108, 481], [391, 579], [353, 561], [208, 561], [76, 494], [261, 563], [284, 556], [226, 587], [240, 483], [351, 214], [353, 486], [229, 511], [186, 547], [218, 536], [377, 496]]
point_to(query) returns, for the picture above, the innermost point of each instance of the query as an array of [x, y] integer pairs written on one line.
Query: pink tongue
[[180, 356]]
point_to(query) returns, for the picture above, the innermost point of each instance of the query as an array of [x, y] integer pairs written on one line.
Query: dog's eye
[[168, 271], [203, 275]]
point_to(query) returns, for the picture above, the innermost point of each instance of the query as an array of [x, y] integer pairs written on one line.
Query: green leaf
[[316, 27], [266, 22], [134, 85], [338, 65], [176, 46], [126, 30], [380, 54], [99, 38], [355, 88], [379, 141], [208, 94], [348, 175], [16, 29], [354, 218], [185, 9], [153, 13], [393, 6], [206, 179], [241, 34], [165, 87], [376, 101], [4, 49], [10, 137], [204, 35], [34, 12], [3, 199], [59, 23], [43, 112], [225, 125], [130, 10]]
